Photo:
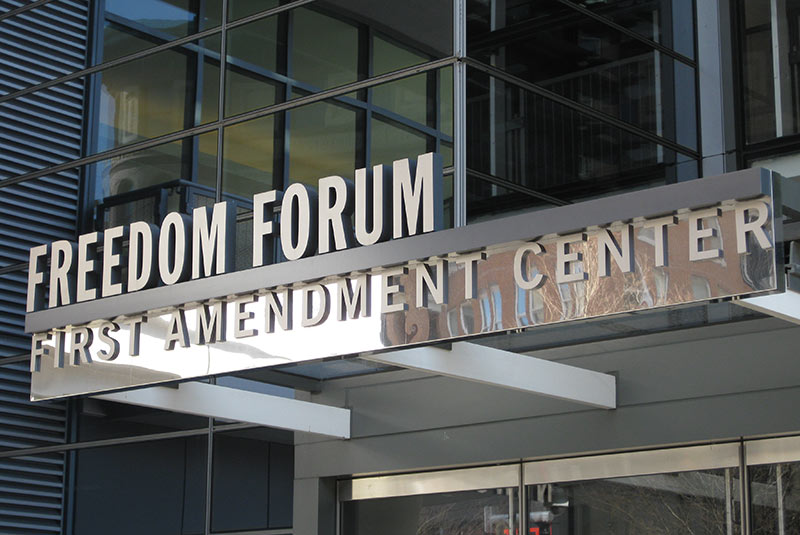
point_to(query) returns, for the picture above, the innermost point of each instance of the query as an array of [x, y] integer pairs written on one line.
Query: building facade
[[113, 112]]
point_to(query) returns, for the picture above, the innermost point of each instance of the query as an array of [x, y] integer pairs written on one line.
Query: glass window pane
[[253, 479], [392, 142], [538, 145], [155, 95], [248, 165], [162, 485], [588, 62], [702, 502], [145, 185], [774, 498], [388, 56], [242, 8], [254, 65], [323, 139], [176, 18], [324, 49], [669, 23], [491, 511]]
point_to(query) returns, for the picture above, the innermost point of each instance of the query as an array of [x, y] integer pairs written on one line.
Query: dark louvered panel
[[37, 130]]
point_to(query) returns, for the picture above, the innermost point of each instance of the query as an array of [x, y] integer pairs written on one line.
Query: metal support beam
[[491, 366], [785, 306], [232, 404]]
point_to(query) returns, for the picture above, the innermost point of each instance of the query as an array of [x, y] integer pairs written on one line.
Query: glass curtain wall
[[769, 70], [220, 106], [571, 100]]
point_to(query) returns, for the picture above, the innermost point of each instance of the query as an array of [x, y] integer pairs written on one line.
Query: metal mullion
[[263, 112], [223, 62], [143, 53], [23, 9], [513, 186], [61, 448], [581, 108], [630, 33], [109, 64], [459, 113]]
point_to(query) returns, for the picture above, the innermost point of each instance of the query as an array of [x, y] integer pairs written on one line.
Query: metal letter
[[372, 198], [176, 330], [334, 218], [263, 225], [242, 315], [211, 320], [425, 283], [135, 325], [470, 262], [660, 235], [756, 226], [424, 193], [520, 267], [564, 259], [697, 233], [112, 258], [142, 256], [62, 273], [86, 284], [60, 339], [354, 303], [106, 338], [309, 318], [388, 290], [213, 249], [622, 253], [172, 248], [36, 278], [39, 350], [80, 340], [274, 309], [298, 223]]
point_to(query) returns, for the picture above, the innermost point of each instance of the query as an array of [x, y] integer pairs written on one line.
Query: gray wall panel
[[710, 389]]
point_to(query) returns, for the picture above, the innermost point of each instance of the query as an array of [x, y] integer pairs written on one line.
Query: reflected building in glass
[[114, 111]]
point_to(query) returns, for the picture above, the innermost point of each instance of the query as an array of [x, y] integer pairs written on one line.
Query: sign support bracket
[[207, 400]]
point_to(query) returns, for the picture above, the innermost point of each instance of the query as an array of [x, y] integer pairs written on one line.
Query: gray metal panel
[[562, 220]]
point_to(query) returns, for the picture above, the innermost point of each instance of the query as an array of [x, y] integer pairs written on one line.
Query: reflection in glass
[[156, 95], [392, 142], [491, 511], [511, 133], [703, 502], [775, 498], [577, 57], [145, 185], [324, 49], [242, 8], [322, 142], [248, 165], [771, 73], [156, 21]]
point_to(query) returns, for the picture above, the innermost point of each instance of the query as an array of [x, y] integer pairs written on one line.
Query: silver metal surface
[[747, 184], [213, 244], [241, 405], [489, 477], [632, 464], [416, 195], [773, 450], [173, 250], [424, 302], [492, 366], [335, 211]]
